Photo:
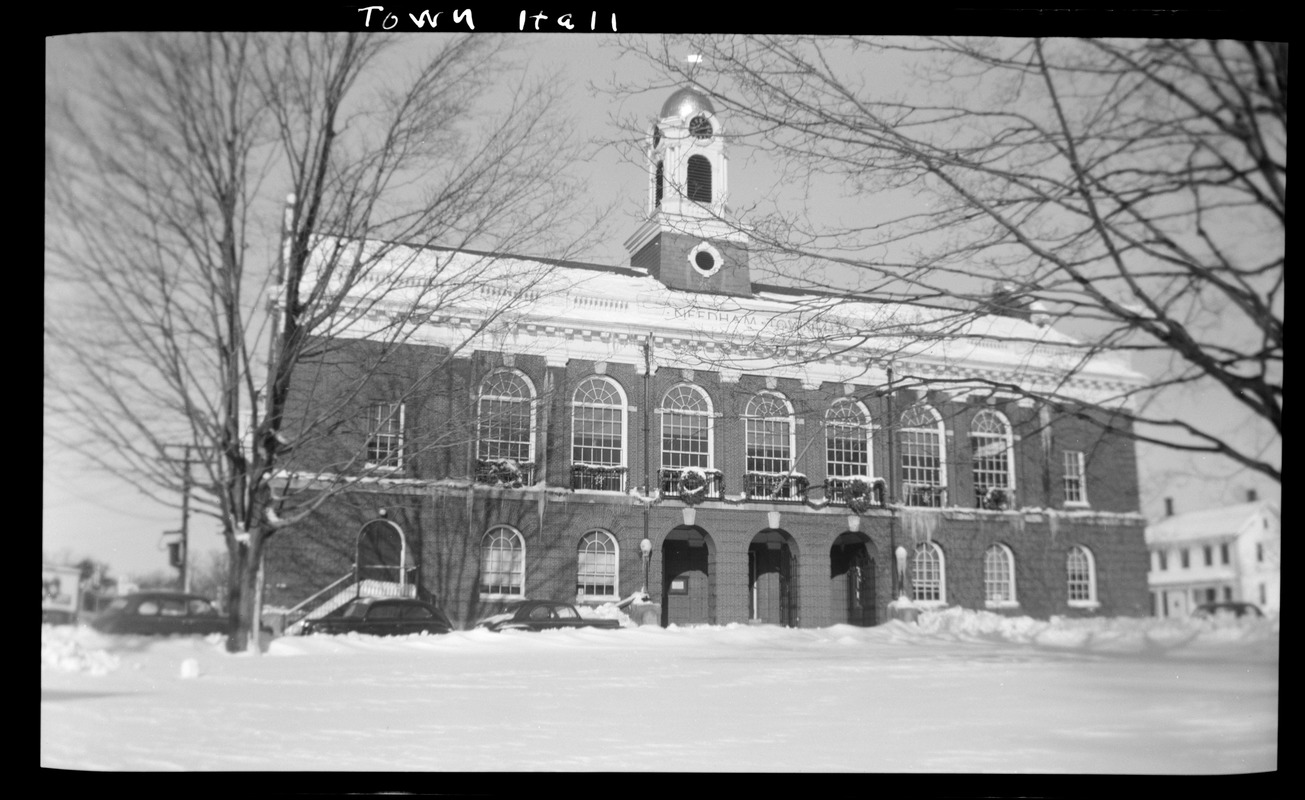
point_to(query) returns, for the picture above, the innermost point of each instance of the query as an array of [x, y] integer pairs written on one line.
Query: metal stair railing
[[301, 610]]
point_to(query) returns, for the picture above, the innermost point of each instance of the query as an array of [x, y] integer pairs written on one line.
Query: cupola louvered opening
[[698, 179]]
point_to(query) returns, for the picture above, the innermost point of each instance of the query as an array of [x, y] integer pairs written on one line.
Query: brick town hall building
[[628, 425]]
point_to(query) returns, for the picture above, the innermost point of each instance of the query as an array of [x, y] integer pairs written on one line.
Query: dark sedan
[[541, 615], [381, 617], [1228, 609], [162, 614]]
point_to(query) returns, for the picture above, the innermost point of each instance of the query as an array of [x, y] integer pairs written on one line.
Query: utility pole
[[185, 522], [179, 551]]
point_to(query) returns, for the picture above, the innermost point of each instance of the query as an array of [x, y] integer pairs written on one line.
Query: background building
[[635, 426], [1217, 554]]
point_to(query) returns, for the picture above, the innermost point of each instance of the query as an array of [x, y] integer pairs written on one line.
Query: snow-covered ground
[[961, 691]]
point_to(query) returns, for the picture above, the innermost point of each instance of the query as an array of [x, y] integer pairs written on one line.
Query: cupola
[[686, 241]]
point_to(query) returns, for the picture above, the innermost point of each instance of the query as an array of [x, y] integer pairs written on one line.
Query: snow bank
[[61, 651], [80, 649]]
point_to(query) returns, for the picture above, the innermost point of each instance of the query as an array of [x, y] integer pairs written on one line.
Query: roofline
[[630, 272]]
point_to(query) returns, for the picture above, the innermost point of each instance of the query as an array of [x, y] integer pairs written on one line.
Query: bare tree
[[223, 209], [1133, 192]]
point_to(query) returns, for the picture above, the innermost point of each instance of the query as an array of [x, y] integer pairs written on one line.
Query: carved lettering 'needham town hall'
[[545, 429]]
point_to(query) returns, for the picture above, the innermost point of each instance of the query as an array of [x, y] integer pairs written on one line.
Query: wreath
[[503, 472], [996, 499], [693, 485], [858, 494]]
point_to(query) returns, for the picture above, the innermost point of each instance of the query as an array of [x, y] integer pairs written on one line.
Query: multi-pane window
[[847, 440], [768, 432], [999, 575], [596, 569], [921, 448], [598, 423], [1081, 573], [927, 574], [991, 445], [385, 435], [686, 428], [505, 417], [502, 563], [1075, 481]]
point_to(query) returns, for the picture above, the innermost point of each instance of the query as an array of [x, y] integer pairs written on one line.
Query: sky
[[959, 692], [87, 513]]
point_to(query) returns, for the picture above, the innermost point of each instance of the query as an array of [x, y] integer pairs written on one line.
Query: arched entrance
[[852, 580], [383, 565], [688, 580], [772, 578]]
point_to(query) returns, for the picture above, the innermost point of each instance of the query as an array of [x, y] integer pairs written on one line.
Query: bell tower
[[686, 241]]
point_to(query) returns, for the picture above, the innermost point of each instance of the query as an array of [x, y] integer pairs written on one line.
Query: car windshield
[[355, 610], [117, 605]]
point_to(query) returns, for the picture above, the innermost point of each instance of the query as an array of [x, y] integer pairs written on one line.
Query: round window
[[706, 259]]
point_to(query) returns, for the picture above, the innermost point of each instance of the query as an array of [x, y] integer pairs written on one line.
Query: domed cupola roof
[[686, 103]]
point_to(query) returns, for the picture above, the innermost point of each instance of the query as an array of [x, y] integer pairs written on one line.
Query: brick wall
[[445, 530], [445, 526]]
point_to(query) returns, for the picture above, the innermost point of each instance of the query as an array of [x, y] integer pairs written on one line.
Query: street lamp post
[[645, 548]]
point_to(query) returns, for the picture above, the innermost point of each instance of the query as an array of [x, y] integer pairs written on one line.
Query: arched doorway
[[382, 562], [772, 578], [852, 565], [688, 590]]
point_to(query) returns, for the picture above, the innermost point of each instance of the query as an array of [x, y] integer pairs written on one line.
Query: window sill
[[1078, 505], [929, 604], [1001, 604], [1084, 604]]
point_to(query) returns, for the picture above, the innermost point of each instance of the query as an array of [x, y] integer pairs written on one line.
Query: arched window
[[991, 443], [847, 440], [505, 418], [660, 184], [686, 428], [596, 567], [924, 481], [768, 438], [928, 574], [1081, 571], [598, 434], [999, 576], [502, 563], [698, 179]]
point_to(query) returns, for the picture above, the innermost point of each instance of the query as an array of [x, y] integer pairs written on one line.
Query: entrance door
[[861, 589], [685, 585], [852, 582], [771, 580]]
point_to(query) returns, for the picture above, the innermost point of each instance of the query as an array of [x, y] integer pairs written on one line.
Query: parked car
[[1227, 608], [55, 616], [541, 615], [377, 616], [162, 614]]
